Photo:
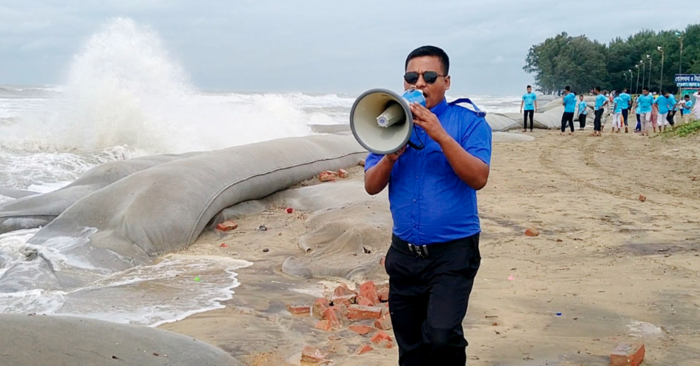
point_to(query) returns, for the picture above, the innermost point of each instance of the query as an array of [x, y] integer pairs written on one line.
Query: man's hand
[[427, 120], [393, 157]]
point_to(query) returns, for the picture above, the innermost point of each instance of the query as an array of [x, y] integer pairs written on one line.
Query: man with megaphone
[[434, 255]]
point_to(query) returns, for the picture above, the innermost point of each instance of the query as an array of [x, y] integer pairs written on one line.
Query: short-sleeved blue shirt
[[672, 102], [582, 107], [618, 105], [600, 101], [570, 103], [688, 107], [625, 100], [662, 103], [529, 101], [644, 102], [429, 202]]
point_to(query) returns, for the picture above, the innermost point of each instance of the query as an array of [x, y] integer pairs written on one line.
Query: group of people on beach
[[652, 111]]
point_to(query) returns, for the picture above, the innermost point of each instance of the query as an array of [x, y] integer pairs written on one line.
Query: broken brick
[[363, 349], [343, 290], [383, 323], [369, 291], [345, 300], [299, 310], [342, 173], [532, 232], [360, 312], [360, 329], [226, 226], [626, 354], [364, 301], [331, 315], [320, 305], [289, 210], [361, 163], [642, 198], [313, 355], [324, 325], [382, 339], [383, 294], [327, 176]]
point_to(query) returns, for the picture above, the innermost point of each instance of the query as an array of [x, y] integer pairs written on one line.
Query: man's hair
[[529, 86], [624, 90], [567, 88], [687, 96], [424, 51], [645, 88], [597, 88], [666, 92]]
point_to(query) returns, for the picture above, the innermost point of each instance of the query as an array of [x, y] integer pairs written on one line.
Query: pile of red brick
[[345, 308]]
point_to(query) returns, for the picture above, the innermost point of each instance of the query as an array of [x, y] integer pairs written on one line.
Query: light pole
[[644, 70], [661, 76], [650, 61], [680, 63], [636, 88], [631, 78]]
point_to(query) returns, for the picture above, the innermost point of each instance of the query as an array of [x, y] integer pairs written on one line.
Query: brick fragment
[[313, 355], [327, 176], [383, 294], [226, 226], [343, 290], [360, 329], [324, 325], [331, 315], [345, 300], [302, 310], [369, 290], [363, 349], [382, 339], [342, 173], [626, 354], [642, 198], [360, 312], [361, 163], [532, 232], [364, 301], [320, 305], [383, 323]]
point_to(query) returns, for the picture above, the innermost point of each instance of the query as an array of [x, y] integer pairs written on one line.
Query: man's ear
[[448, 82]]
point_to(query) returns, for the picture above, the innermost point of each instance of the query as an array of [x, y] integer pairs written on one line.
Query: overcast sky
[[321, 45]]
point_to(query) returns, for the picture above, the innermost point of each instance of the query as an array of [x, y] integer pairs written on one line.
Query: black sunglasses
[[430, 77]]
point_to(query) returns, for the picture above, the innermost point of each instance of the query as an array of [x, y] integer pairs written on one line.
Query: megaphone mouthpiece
[[391, 115]]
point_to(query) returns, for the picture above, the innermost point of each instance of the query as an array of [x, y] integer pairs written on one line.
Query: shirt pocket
[[436, 163]]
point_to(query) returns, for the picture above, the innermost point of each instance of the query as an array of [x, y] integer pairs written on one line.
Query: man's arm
[[470, 169], [522, 103], [377, 177], [535, 105]]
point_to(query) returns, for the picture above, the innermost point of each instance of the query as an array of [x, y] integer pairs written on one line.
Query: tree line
[[583, 63]]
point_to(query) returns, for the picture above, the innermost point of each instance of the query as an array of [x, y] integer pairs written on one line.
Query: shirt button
[[416, 177], [414, 201]]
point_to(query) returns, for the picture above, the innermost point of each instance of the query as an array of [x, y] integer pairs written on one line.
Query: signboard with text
[[688, 80]]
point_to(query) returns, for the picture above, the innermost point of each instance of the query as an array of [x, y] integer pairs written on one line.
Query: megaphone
[[381, 120]]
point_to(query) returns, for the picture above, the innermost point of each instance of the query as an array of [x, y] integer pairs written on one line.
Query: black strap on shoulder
[[476, 109]]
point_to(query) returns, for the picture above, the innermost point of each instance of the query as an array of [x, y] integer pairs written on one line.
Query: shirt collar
[[440, 107]]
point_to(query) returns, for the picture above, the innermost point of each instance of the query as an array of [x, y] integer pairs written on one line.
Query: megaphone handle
[[411, 144]]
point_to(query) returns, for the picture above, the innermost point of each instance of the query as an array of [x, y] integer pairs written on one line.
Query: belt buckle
[[420, 250]]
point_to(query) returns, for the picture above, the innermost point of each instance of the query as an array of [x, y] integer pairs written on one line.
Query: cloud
[[497, 60]]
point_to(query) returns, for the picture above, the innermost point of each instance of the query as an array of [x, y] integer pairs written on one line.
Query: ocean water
[[124, 97]]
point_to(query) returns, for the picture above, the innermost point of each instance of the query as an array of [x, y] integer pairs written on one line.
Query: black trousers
[[669, 117], [567, 118], [625, 113], [429, 297], [597, 124], [582, 121], [531, 114]]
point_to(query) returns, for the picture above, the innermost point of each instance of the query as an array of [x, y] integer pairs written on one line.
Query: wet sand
[[616, 268]]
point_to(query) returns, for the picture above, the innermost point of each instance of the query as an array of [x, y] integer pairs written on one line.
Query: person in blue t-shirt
[[645, 103], [582, 112], [617, 117], [529, 105], [600, 102], [569, 102], [434, 255], [672, 108], [687, 106], [626, 101], [661, 110]]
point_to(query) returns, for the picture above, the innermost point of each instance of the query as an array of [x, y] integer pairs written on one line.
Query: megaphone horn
[[381, 120]]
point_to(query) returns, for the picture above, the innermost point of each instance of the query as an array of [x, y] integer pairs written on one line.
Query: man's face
[[529, 90], [434, 93], [645, 92]]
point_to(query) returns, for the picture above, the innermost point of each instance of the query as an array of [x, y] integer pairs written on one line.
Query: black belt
[[425, 251]]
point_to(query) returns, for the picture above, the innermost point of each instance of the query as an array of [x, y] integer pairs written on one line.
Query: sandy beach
[[615, 268]]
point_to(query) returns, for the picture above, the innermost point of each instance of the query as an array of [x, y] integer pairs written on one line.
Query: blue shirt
[[618, 105], [688, 107], [529, 99], [600, 101], [672, 102], [625, 100], [570, 103], [662, 103], [582, 107], [644, 102], [429, 202]]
